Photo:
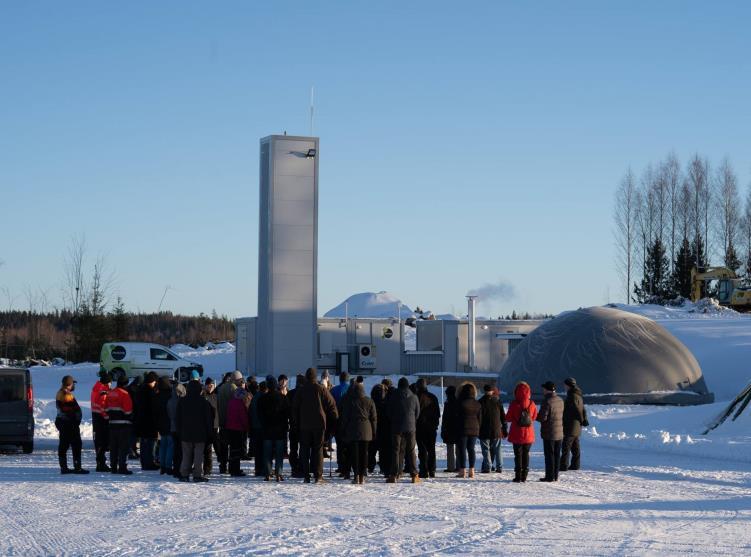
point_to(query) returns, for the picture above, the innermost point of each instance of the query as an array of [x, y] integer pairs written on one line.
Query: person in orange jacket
[[119, 409], [99, 420], [68, 422]]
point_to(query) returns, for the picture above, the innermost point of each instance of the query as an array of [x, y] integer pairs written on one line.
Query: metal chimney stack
[[471, 331]]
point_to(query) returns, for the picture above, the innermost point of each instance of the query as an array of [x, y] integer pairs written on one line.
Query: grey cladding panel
[[300, 238], [293, 287], [287, 262], [296, 238], [295, 213], [295, 188]]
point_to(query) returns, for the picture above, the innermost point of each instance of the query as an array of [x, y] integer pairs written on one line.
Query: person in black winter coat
[[574, 417], [315, 413], [343, 458], [132, 389], [209, 393], [450, 427], [470, 416], [195, 423], [377, 395], [492, 430], [294, 431], [403, 411], [166, 443], [147, 420], [274, 412], [427, 427], [359, 421]]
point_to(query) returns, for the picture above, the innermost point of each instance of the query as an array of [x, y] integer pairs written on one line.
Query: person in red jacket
[[119, 408], [99, 420], [521, 414], [237, 425]]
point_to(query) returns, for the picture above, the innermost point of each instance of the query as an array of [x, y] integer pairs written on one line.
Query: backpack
[[524, 419]]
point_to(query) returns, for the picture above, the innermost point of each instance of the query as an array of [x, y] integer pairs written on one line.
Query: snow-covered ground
[[627, 501], [652, 484]]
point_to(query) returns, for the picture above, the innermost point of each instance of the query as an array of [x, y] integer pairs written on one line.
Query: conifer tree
[[119, 321], [656, 282], [731, 258], [682, 270]]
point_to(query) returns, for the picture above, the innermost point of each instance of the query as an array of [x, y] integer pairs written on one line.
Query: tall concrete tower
[[287, 255]]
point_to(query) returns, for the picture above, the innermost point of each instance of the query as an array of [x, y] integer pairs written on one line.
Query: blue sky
[[461, 143]]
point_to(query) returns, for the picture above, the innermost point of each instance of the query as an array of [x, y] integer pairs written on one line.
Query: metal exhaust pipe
[[471, 331]]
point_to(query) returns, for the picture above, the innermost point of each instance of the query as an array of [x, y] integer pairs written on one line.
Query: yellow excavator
[[732, 291]]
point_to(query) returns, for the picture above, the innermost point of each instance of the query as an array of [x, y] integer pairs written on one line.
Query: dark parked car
[[16, 408]]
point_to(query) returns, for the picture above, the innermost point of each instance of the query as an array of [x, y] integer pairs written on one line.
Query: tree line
[[672, 218], [61, 333]]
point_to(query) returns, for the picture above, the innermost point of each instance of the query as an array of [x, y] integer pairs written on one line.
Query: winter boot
[[471, 473], [524, 474], [101, 460], [461, 473], [362, 480], [391, 480], [416, 479], [356, 480], [63, 460], [125, 472]]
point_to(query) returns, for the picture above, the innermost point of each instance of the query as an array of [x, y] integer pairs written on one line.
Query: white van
[[133, 359]]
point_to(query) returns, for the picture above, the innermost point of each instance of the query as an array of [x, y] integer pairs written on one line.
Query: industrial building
[[370, 346]]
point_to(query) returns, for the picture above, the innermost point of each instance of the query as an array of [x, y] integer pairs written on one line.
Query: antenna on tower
[[311, 110]]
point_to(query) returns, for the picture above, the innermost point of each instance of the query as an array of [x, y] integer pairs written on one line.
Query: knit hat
[[195, 376], [209, 381], [570, 381], [237, 375], [311, 376], [548, 386]]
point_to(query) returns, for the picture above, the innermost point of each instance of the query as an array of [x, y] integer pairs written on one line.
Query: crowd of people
[[179, 429]]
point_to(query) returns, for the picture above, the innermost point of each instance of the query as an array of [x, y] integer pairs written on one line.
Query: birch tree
[[624, 213]]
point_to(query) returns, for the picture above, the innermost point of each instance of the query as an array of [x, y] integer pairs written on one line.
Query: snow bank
[[370, 304], [673, 429]]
